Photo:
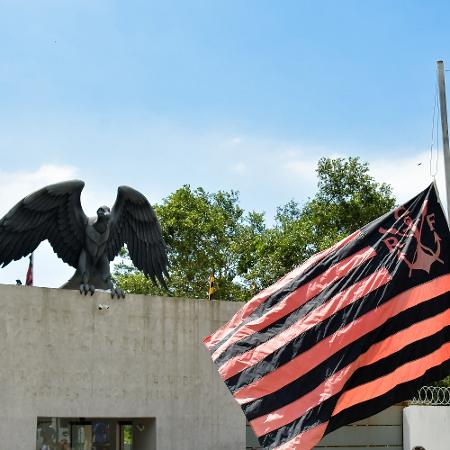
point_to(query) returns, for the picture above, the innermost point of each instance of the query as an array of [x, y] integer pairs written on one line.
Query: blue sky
[[243, 95]]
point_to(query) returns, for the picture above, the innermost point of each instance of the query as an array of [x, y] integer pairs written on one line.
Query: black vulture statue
[[86, 243]]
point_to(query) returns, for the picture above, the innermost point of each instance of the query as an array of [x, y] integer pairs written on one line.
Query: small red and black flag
[[353, 330], [29, 279]]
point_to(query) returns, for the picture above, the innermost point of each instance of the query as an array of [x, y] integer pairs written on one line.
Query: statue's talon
[[85, 288], [117, 292]]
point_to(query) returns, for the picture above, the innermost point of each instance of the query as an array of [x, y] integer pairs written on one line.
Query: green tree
[[346, 199], [205, 234], [210, 233], [445, 382]]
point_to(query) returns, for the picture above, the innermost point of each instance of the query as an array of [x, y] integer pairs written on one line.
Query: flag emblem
[[423, 256], [354, 329]]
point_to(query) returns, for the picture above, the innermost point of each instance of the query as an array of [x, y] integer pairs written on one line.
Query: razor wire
[[432, 396]]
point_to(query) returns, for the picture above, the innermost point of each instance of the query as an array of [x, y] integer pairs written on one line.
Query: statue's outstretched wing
[[54, 213], [134, 222]]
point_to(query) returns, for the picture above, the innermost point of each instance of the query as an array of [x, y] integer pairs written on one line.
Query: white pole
[[443, 108]]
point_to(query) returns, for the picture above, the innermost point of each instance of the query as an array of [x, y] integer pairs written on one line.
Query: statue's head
[[103, 212]]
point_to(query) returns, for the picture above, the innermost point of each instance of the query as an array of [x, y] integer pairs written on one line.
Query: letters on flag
[[353, 330]]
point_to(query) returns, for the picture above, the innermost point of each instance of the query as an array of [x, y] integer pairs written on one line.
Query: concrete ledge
[[143, 357]]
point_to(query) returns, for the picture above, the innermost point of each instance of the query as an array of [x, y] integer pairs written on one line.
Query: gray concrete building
[[133, 376]]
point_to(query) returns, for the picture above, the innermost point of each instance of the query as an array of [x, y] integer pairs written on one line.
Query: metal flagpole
[[443, 108]]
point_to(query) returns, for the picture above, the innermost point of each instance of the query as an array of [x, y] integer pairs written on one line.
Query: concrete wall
[[428, 426], [62, 357]]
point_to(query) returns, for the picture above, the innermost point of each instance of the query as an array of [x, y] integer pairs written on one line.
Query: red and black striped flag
[[356, 328], [29, 277]]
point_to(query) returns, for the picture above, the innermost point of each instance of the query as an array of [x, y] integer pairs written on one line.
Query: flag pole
[[444, 124]]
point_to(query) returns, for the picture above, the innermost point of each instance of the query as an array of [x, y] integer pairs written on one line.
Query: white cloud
[[297, 165], [280, 161], [16, 185], [301, 167], [236, 140], [408, 175], [240, 168]]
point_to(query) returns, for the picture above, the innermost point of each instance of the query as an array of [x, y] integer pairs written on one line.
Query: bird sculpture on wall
[[86, 243]]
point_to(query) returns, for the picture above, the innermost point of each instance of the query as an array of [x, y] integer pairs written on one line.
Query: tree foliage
[[210, 233], [205, 234], [346, 199], [445, 382]]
